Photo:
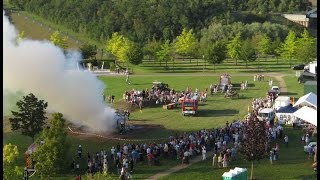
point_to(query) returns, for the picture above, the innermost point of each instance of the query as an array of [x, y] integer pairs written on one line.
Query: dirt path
[[182, 166]]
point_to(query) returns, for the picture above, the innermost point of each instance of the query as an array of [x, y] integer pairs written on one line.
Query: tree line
[[143, 20]]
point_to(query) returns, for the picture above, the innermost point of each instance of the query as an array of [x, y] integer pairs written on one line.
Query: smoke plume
[[41, 68]]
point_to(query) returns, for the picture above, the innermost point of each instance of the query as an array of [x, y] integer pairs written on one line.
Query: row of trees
[[218, 42], [143, 20], [31, 120], [240, 47]]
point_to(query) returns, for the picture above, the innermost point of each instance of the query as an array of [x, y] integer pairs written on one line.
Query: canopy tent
[[287, 109], [284, 114], [309, 99], [307, 114]]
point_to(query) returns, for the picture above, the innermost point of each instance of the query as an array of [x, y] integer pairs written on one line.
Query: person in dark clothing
[[131, 165]]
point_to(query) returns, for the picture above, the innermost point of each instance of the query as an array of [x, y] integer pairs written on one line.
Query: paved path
[[181, 166]]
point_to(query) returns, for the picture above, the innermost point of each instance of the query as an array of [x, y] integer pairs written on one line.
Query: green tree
[[50, 156], [253, 144], [264, 46], [288, 47], [185, 43], [120, 47], [163, 54], [151, 47], [135, 55], [10, 155], [216, 53], [57, 39], [306, 48], [88, 51], [275, 50], [247, 52], [234, 47], [31, 116]]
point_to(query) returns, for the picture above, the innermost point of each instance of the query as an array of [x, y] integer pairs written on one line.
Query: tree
[[185, 43], [216, 53], [135, 55], [31, 117], [88, 51], [151, 47], [163, 54], [234, 47], [288, 47], [264, 46], [10, 155], [121, 47], [50, 156], [247, 52], [306, 48], [57, 39], [253, 144]]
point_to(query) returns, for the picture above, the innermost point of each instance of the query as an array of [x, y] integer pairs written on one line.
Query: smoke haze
[[41, 68]]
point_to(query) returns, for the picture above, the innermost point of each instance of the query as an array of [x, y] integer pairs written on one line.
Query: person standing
[[286, 140], [127, 79], [219, 160], [214, 160], [271, 157], [225, 158], [79, 151], [204, 151]]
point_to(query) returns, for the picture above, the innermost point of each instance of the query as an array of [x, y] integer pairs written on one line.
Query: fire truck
[[189, 107]]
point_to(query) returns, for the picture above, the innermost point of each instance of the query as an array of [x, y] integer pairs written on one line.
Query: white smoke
[[41, 68]]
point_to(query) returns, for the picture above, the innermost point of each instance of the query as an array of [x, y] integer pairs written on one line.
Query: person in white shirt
[[204, 151]]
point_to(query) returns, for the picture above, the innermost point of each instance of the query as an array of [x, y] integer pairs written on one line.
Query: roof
[[283, 98], [307, 114], [287, 109], [309, 99], [266, 110]]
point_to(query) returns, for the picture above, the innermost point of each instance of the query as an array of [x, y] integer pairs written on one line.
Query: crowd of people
[[161, 96]]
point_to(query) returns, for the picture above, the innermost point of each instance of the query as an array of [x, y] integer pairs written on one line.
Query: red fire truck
[[189, 107]]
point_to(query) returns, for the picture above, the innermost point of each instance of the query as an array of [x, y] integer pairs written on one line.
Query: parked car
[[276, 88], [311, 144], [307, 76], [298, 67]]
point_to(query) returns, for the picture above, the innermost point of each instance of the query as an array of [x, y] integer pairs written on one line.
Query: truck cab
[[189, 107]]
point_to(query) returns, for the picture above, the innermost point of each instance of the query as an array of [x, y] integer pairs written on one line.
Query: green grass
[[295, 89], [213, 113], [36, 30], [293, 164]]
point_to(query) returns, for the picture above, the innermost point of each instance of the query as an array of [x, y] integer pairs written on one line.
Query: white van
[[281, 101], [267, 114]]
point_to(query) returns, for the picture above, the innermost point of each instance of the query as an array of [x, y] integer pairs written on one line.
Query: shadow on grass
[[290, 93], [218, 113], [307, 177]]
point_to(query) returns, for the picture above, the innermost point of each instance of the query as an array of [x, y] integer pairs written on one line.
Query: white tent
[[307, 114], [309, 99]]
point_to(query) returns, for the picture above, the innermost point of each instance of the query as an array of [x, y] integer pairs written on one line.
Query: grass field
[[212, 113], [293, 164]]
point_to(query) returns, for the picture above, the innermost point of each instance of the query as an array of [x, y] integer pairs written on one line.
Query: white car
[[276, 88], [311, 144]]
